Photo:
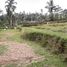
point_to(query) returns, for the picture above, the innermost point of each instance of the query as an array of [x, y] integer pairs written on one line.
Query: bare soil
[[18, 52]]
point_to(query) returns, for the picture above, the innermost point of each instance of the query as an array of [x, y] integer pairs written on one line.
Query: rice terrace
[[33, 39]]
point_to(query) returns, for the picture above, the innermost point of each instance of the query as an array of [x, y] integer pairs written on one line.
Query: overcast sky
[[33, 5]]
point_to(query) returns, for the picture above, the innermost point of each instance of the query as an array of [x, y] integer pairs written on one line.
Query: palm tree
[[58, 12], [50, 8], [65, 14], [42, 11], [10, 8]]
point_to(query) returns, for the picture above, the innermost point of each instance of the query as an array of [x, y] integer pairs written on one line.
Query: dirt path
[[18, 52]]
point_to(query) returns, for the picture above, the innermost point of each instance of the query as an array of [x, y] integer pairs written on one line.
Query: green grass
[[3, 49], [51, 60], [11, 65]]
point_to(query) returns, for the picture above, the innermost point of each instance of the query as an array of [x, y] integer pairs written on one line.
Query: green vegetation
[[56, 41], [47, 38], [51, 60], [45, 33], [11, 65], [42, 38], [3, 49]]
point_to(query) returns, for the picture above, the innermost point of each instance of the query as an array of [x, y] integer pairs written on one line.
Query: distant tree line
[[56, 12], [12, 19]]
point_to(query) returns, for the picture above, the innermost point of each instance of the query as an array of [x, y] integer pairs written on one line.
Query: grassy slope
[[50, 59]]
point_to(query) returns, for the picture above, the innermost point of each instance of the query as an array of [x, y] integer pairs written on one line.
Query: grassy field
[[51, 60]]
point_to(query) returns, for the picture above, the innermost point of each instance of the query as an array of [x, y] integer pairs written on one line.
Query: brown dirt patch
[[18, 52]]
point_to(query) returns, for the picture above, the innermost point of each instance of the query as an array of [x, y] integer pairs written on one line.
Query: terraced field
[[47, 43]]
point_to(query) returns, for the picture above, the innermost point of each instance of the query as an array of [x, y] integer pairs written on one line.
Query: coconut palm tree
[[10, 8], [50, 8]]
